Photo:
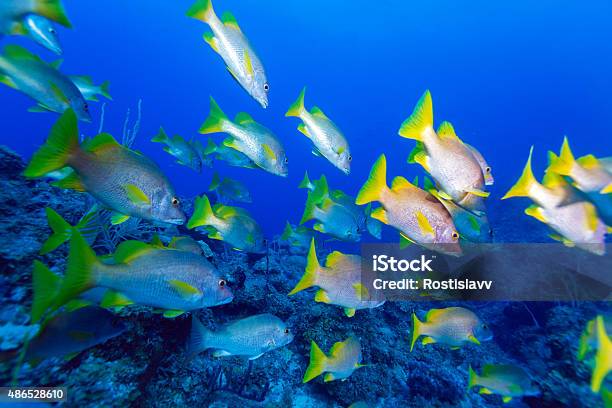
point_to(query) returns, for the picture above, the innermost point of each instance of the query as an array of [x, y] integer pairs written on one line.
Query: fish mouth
[[176, 221], [226, 301], [264, 103]]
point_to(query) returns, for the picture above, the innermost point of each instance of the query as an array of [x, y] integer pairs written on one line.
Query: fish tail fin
[[80, 274], [45, 285], [525, 182], [315, 198], [564, 163], [310, 273], [214, 184], [376, 183], [53, 10], [603, 358], [198, 337], [215, 120], [104, 90], [416, 329], [420, 120], [305, 183], [297, 108], [62, 231], [61, 145], [318, 363], [287, 232], [161, 136], [472, 378], [211, 147], [203, 213], [202, 10]]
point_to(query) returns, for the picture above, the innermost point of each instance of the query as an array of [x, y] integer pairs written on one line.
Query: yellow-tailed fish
[[173, 280], [328, 140], [249, 337], [230, 189], [587, 344], [13, 14], [41, 81], [89, 90], [449, 161], [89, 227], [343, 359], [297, 236], [41, 30], [249, 137], [332, 218], [68, 333], [231, 156], [484, 165], [119, 178], [603, 356], [507, 380], [452, 326], [417, 214], [183, 151], [576, 223], [227, 40], [339, 281], [232, 225]]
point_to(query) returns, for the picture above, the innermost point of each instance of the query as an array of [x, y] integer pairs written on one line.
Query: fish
[[442, 154], [588, 338], [249, 137], [606, 163], [452, 326], [206, 159], [41, 30], [484, 165], [120, 179], [182, 150], [297, 236], [232, 225], [344, 358], [186, 243], [328, 140], [576, 222], [89, 90], [169, 279], [250, 337], [228, 40], [13, 13], [69, 333], [417, 214], [29, 74], [231, 156], [339, 281], [603, 357], [88, 226], [507, 380], [332, 218], [231, 189]]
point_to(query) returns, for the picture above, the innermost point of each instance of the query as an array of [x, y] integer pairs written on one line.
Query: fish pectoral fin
[[405, 241], [536, 212], [118, 218], [607, 189], [349, 312], [7, 81], [39, 109], [210, 39], [485, 391], [329, 377], [269, 152], [424, 224], [319, 227], [361, 291], [256, 357], [221, 353], [136, 195], [304, 130], [248, 64], [321, 296], [170, 314], [316, 152], [443, 195], [421, 158], [428, 340], [59, 94], [477, 192], [232, 142], [184, 289], [473, 339], [114, 299], [506, 399]]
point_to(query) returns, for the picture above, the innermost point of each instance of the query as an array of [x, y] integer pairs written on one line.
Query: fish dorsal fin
[[136, 195], [57, 65], [127, 251], [588, 162], [447, 131], [428, 185], [400, 183], [226, 211], [17, 52], [19, 28], [243, 118], [380, 214], [316, 111], [536, 212], [269, 152], [248, 64], [434, 314], [184, 289], [229, 20], [424, 224], [334, 259], [101, 142], [157, 242], [7, 81], [337, 349], [552, 180]]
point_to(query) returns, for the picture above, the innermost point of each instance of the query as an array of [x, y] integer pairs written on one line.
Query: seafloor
[[147, 365]]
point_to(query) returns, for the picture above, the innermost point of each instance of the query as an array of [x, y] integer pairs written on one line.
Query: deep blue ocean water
[[508, 75]]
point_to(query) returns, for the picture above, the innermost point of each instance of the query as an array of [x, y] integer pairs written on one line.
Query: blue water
[[507, 75]]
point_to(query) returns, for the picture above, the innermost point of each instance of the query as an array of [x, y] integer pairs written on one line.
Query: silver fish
[[42, 31]]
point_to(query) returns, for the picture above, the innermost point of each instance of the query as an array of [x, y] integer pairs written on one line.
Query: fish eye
[[350, 158], [455, 235], [175, 201], [52, 30], [86, 107], [222, 283], [286, 331], [488, 169], [266, 87], [286, 160]]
